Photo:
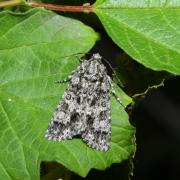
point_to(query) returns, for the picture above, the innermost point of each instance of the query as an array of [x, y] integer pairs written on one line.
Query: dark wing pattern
[[85, 107]]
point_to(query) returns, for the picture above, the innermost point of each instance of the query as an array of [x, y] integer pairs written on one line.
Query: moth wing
[[98, 124], [66, 121], [98, 132]]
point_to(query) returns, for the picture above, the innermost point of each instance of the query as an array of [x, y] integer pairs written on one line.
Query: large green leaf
[[36, 50], [149, 31]]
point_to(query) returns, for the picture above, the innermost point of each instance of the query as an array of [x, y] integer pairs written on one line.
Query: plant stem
[[10, 3], [85, 8], [54, 7]]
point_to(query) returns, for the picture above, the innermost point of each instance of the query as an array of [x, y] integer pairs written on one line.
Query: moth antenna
[[121, 84], [74, 54]]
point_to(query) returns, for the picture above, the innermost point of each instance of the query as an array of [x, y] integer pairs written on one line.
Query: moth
[[84, 108]]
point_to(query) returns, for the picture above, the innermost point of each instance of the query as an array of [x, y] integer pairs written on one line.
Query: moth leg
[[67, 79], [113, 91], [79, 59], [115, 95], [64, 80]]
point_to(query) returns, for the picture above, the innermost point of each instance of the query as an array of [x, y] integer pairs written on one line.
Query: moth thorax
[[97, 56]]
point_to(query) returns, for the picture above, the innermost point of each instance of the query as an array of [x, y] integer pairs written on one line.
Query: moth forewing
[[85, 106]]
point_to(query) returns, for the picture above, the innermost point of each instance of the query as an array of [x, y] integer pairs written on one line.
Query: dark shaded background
[[158, 134]]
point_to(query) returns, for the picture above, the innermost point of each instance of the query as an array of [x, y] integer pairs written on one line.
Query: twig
[[85, 8]]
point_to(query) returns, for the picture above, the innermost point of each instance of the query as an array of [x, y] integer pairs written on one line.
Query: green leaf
[[149, 31], [37, 49]]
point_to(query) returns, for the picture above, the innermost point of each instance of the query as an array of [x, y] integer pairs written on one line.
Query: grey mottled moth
[[85, 106]]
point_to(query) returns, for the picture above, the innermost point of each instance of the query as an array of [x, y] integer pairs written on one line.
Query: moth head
[[96, 65], [93, 69]]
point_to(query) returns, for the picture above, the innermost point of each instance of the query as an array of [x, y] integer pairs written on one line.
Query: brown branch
[[85, 8]]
